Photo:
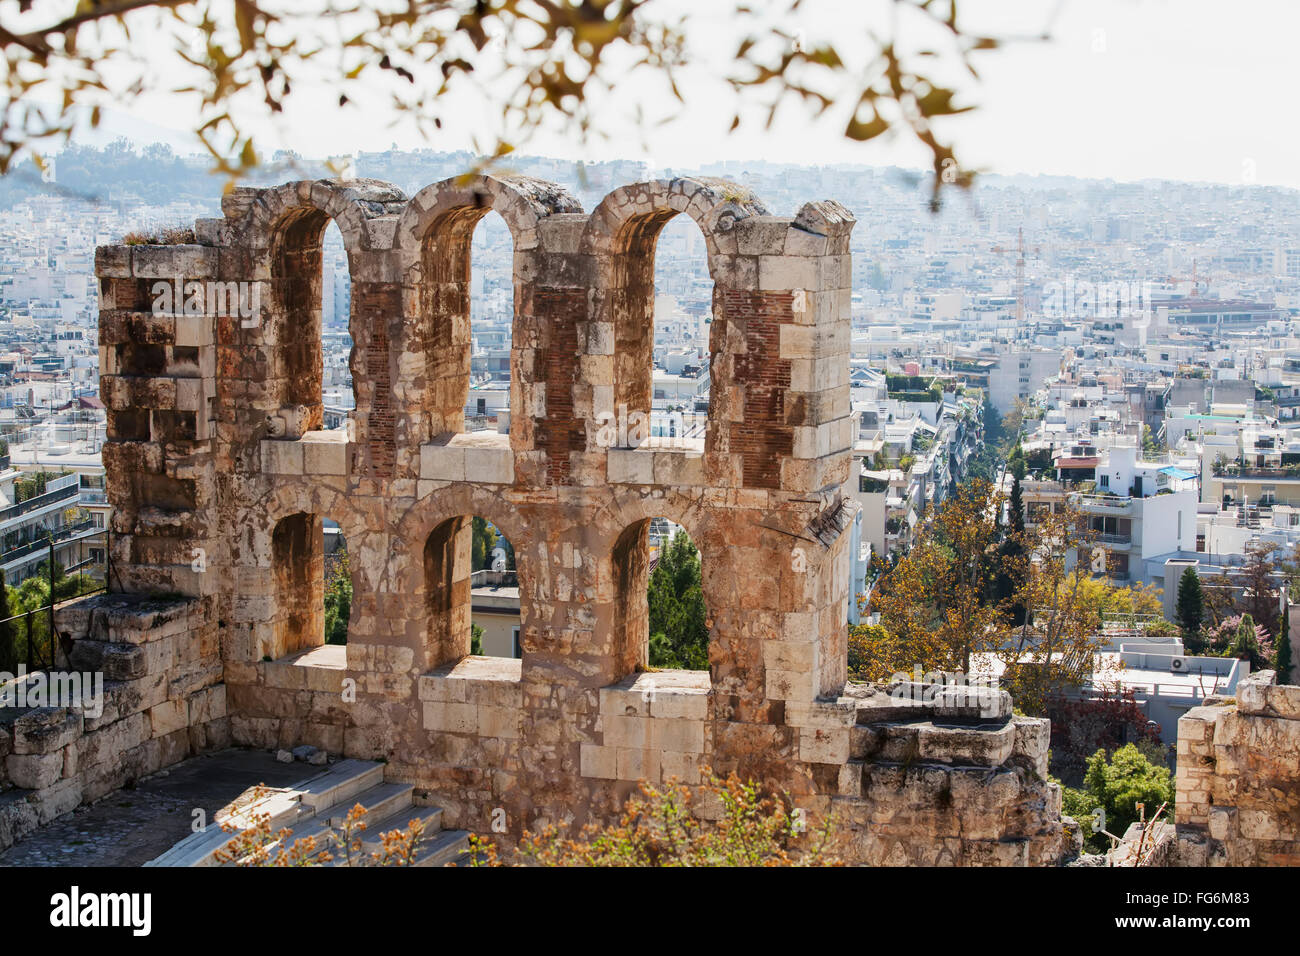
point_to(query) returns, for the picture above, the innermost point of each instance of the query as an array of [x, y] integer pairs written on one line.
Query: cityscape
[[465, 503]]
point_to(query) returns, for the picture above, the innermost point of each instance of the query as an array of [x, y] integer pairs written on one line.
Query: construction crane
[[1020, 271], [1193, 279]]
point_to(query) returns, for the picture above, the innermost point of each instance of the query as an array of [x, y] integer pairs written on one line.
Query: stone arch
[[285, 552], [432, 245], [626, 567], [628, 220], [431, 565], [624, 230], [282, 231]]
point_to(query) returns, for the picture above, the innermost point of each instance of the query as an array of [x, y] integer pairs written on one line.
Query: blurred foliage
[[538, 62]]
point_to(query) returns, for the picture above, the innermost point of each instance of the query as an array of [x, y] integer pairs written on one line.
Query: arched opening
[[471, 591], [337, 394], [312, 585], [492, 315], [683, 318], [661, 619], [297, 263], [464, 325]]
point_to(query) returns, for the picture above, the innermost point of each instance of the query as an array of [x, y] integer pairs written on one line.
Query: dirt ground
[[131, 827]]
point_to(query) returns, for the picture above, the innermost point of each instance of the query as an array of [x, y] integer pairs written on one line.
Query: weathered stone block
[[46, 730], [34, 771]]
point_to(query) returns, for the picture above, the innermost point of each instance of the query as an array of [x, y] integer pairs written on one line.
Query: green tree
[[1282, 659], [1246, 644], [1150, 447], [338, 597], [1011, 555], [8, 634], [486, 540], [475, 639], [1128, 779], [679, 629], [1016, 463], [1191, 610]]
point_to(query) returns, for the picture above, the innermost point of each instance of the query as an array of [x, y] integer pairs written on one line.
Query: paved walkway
[[131, 827]]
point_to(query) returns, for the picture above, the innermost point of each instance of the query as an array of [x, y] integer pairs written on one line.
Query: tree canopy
[[679, 629]]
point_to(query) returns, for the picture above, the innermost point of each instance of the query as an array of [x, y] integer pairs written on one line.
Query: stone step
[[399, 820], [446, 846], [332, 792], [380, 801], [340, 783], [199, 849], [436, 849]]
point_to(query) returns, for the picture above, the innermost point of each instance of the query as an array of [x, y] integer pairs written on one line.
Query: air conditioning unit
[[1178, 665]]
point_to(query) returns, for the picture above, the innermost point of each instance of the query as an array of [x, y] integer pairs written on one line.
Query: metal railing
[[28, 637]]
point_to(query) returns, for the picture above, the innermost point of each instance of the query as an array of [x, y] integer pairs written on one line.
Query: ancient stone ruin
[[220, 475]]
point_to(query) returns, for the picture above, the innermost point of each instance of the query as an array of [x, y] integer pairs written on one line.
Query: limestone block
[[639, 764], [783, 273], [63, 797], [322, 455], [34, 771], [793, 657], [678, 467], [1222, 823], [123, 662], [450, 718], [685, 736], [693, 706], [626, 702], [839, 714], [490, 465], [46, 730], [965, 745], [113, 262], [850, 779], [282, 457], [1257, 695], [442, 462], [630, 731], [630, 466], [789, 686], [1033, 737]]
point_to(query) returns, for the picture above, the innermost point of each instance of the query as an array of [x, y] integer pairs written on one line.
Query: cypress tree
[[1191, 609], [1282, 659], [1010, 553]]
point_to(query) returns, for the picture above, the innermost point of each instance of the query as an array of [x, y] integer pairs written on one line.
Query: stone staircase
[[321, 803]]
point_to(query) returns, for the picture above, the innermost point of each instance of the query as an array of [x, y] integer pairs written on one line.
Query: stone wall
[[162, 700], [220, 477], [1238, 779]]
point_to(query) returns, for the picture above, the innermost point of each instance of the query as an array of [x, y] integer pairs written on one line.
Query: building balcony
[[57, 492], [1105, 504]]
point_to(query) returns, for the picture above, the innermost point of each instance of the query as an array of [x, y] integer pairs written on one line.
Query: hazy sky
[[1127, 89]]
